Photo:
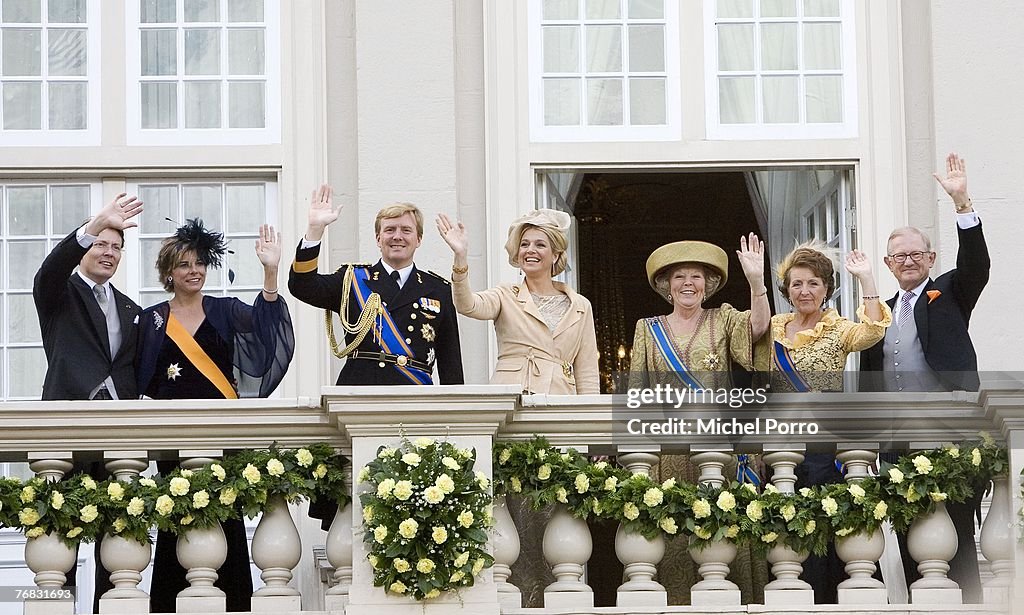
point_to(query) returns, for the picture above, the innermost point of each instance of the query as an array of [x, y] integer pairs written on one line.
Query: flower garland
[[425, 517], [78, 508]]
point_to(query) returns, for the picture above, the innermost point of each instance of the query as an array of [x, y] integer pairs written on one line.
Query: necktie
[[101, 296], [397, 277], [905, 309]]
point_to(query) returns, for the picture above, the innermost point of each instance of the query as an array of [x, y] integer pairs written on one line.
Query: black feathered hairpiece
[[208, 245]]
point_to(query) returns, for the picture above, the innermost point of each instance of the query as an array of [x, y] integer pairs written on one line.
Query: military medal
[[173, 371], [711, 362], [428, 332]]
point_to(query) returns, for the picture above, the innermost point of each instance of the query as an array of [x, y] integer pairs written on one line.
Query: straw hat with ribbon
[[679, 252]]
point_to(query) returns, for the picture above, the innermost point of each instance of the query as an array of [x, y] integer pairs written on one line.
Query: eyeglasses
[[914, 256], [101, 246]]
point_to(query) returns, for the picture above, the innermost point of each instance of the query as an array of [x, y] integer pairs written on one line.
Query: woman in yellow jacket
[[545, 329]]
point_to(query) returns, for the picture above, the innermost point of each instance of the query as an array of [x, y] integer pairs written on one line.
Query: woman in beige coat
[[546, 339]]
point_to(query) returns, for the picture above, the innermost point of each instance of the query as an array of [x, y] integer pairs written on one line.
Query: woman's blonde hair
[[558, 243]]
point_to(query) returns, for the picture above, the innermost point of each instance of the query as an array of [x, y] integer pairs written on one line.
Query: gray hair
[[712, 279], [904, 231]]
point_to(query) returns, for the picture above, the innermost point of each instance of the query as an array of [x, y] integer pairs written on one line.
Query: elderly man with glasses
[[928, 347]]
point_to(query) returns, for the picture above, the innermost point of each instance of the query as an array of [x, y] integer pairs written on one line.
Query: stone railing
[[357, 420]]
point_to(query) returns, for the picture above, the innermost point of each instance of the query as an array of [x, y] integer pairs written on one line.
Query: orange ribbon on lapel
[[933, 295]]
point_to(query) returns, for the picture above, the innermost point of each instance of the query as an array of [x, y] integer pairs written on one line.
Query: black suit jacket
[[74, 329], [942, 322], [431, 334]]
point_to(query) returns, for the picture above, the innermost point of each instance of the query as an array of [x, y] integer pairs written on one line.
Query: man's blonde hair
[[397, 210]]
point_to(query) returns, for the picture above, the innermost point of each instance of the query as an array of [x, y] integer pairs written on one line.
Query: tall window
[[35, 217], [236, 209], [604, 70], [49, 69], [204, 71], [780, 69]]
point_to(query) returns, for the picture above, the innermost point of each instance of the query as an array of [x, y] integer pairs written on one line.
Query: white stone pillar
[[787, 565], [47, 555], [860, 552], [201, 552], [638, 554], [124, 558]]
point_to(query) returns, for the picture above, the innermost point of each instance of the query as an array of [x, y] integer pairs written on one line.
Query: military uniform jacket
[[422, 311]]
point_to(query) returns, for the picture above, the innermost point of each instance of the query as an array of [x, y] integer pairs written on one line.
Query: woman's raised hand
[[453, 233], [268, 246], [858, 265], [751, 256]]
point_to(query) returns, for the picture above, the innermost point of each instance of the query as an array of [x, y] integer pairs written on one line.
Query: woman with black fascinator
[[197, 346]]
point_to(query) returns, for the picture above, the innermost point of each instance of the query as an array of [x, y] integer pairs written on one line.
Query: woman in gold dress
[[694, 347]]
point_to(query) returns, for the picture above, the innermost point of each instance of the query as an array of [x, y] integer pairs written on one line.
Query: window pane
[[29, 255], [561, 102], [822, 46], [561, 49], [22, 106], [247, 207], [66, 11], [604, 49], [821, 8], [161, 203], [246, 105], [245, 10], [21, 49], [736, 47], [246, 52], [201, 10], [780, 100], [736, 100], [202, 52], [778, 8], [646, 48], [646, 102], [561, 9], [246, 267], [67, 52], [604, 102], [824, 99], [203, 202], [778, 46], [202, 104], [735, 8], [26, 211], [159, 52], [28, 367], [152, 298], [157, 11], [602, 9], [150, 249], [159, 105], [69, 207], [646, 9], [21, 11], [68, 106], [22, 323]]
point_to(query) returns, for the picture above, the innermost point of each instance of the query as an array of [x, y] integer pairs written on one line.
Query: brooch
[[428, 332], [711, 362], [173, 371], [158, 320]]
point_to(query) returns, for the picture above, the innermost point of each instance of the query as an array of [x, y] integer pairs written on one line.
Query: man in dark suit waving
[[89, 328], [928, 347]]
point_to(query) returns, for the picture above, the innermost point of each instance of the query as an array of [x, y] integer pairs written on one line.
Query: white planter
[[50, 559], [860, 552], [932, 542], [567, 547], [640, 556], [339, 551], [276, 549], [125, 559], [201, 552], [713, 564]]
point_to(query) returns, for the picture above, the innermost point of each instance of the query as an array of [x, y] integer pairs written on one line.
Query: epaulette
[[439, 277], [363, 265]]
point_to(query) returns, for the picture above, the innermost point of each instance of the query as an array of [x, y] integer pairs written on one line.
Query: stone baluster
[[638, 554], [567, 547], [860, 552], [47, 556], [339, 553], [201, 552], [713, 560], [123, 557], [997, 543], [932, 542], [787, 564], [505, 542]]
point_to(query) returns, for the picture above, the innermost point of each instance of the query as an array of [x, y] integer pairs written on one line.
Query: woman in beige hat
[[545, 330], [695, 347]]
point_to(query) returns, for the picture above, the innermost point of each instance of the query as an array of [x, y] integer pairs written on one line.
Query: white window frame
[[670, 131], [140, 275], [801, 130], [270, 134], [90, 136]]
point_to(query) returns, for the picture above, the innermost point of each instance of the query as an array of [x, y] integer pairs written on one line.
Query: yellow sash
[[198, 357]]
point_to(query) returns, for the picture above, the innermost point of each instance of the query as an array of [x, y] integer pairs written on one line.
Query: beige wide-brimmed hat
[[550, 219], [680, 252]]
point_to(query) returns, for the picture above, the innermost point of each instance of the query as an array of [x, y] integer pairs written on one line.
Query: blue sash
[[745, 473], [785, 364], [669, 353], [390, 340]]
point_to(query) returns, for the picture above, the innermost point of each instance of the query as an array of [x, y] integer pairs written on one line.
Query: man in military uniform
[[399, 321]]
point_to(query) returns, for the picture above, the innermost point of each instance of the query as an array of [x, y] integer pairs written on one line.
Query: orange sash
[[198, 357]]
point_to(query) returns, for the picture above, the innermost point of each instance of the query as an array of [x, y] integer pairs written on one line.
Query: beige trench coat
[[563, 362]]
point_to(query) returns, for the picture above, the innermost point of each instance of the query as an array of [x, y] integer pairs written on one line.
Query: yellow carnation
[[179, 485], [402, 490], [401, 565], [653, 496], [426, 566], [57, 500], [630, 511], [303, 457], [445, 483], [275, 467], [28, 516], [88, 513], [701, 509], [200, 499], [227, 497], [164, 505], [726, 501], [411, 459], [252, 474], [439, 535], [544, 472], [465, 518], [408, 528], [136, 506], [433, 495], [380, 533]]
